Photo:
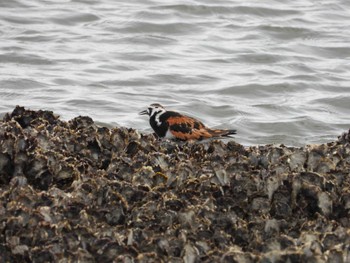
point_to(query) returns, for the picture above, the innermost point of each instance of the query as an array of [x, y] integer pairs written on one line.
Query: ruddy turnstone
[[174, 125]]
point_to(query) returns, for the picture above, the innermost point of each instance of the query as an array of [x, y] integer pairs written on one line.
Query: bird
[[174, 125]]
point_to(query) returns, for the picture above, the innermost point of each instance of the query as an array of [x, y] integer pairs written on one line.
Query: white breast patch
[[169, 135]]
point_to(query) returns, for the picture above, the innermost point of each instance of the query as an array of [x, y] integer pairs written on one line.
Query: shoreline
[[72, 190]]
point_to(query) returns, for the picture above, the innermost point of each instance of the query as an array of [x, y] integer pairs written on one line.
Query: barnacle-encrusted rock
[[73, 191]]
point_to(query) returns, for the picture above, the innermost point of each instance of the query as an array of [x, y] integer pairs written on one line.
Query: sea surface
[[277, 71]]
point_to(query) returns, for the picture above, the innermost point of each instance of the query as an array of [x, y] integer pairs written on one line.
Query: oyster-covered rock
[[76, 192]]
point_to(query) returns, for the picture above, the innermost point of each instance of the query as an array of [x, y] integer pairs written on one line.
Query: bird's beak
[[144, 112]]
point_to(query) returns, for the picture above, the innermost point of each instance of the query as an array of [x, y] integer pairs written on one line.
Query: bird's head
[[153, 109]]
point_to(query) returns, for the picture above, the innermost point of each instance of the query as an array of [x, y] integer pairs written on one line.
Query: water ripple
[[276, 71]]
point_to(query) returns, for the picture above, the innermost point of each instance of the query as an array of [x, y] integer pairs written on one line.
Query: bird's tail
[[222, 133]]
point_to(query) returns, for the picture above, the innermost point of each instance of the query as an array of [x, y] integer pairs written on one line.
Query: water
[[277, 71]]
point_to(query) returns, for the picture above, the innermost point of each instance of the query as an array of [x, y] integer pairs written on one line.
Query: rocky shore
[[73, 191]]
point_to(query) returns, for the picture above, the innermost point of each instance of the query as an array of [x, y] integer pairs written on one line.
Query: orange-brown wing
[[187, 128]]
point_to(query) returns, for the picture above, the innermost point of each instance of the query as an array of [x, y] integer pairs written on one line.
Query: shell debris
[[76, 192]]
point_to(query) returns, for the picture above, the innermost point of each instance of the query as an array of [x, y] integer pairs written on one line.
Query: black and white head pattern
[[154, 111]]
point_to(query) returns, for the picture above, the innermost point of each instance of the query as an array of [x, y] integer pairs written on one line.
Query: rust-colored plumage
[[187, 128], [170, 124]]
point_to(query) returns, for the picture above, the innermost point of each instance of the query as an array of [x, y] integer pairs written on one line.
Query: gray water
[[277, 71]]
